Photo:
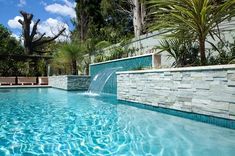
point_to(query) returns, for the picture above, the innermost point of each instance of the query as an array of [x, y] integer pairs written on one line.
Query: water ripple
[[53, 122]]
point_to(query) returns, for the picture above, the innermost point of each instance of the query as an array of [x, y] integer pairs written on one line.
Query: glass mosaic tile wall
[[133, 63]]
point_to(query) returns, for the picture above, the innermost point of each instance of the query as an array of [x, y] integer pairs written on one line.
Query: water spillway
[[99, 80]]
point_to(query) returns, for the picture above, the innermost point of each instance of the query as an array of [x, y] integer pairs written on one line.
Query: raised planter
[[70, 82]]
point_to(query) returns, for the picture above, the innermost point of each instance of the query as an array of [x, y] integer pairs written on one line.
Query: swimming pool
[[56, 122]]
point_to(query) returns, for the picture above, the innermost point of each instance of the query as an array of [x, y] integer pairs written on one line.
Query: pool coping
[[25, 86], [181, 69], [122, 59], [212, 120]]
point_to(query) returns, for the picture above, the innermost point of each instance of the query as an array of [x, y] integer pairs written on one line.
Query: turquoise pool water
[[55, 122]]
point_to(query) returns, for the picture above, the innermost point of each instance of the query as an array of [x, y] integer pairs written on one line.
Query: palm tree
[[195, 19], [184, 53], [71, 53]]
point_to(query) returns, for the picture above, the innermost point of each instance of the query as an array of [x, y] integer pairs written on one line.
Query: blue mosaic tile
[[193, 116], [126, 64]]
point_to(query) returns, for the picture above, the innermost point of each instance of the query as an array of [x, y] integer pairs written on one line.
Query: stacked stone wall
[[70, 82], [203, 90]]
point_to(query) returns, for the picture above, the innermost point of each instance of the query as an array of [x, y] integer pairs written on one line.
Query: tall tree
[[138, 17], [9, 46], [194, 19], [136, 9], [71, 54], [31, 42], [118, 25], [101, 20], [88, 13]]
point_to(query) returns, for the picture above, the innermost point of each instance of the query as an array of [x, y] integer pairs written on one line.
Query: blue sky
[[54, 14]]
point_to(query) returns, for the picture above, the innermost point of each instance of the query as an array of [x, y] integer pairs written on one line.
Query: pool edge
[[24, 86], [217, 121]]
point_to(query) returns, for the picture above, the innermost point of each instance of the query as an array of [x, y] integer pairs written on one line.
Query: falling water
[[100, 79]]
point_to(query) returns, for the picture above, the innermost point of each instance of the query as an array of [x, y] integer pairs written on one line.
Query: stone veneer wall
[[70, 82], [204, 90]]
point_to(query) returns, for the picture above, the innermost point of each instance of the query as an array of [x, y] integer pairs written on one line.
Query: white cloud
[[70, 4], [22, 3], [13, 23], [66, 9], [43, 3], [17, 37], [52, 27]]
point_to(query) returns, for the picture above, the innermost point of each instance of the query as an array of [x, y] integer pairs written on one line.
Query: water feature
[[100, 79]]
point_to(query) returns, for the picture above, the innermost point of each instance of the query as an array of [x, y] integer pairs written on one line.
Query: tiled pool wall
[[131, 63], [70, 82], [228, 123], [207, 90]]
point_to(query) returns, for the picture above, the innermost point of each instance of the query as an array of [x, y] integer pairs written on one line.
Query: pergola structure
[[24, 57]]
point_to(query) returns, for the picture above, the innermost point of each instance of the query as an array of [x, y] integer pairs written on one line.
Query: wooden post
[[37, 80], [16, 80]]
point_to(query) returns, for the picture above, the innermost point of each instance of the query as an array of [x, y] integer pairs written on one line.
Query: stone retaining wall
[[204, 90], [70, 82]]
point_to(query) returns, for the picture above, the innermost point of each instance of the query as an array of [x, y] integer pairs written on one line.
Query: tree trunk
[[202, 50], [137, 18], [74, 67], [35, 68], [82, 34], [142, 15], [87, 69], [82, 20]]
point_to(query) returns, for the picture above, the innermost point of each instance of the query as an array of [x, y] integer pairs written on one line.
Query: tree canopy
[[9, 46]]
